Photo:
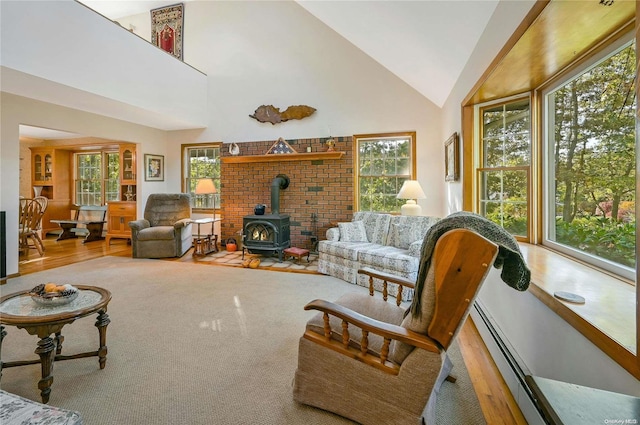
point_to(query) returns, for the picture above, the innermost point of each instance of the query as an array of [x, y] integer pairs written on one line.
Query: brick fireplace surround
[[323, 187]]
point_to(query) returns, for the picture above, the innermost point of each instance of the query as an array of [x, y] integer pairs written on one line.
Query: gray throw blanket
[[515, 272]]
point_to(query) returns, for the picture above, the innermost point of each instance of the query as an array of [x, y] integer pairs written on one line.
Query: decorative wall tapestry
[[269, 113], [166, 28]]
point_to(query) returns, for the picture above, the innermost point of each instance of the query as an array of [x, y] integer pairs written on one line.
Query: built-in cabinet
[[51, 177], [128, 172], [119, 214]]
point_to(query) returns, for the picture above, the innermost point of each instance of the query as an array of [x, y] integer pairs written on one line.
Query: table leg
[[66, 231], [101, 323], [95, 232], [59, 340], [45, 351]]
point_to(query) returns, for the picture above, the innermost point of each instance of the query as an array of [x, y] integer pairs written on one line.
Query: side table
[[21, 311], [207, 243]]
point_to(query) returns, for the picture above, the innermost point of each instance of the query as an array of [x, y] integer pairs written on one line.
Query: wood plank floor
[[496, 401]]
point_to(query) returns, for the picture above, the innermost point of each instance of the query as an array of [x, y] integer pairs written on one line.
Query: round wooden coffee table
[[21, 311]]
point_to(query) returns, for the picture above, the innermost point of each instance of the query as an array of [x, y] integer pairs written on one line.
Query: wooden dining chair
[[31, 213]]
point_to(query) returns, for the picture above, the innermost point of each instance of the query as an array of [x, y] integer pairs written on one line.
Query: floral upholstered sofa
[[19, 410], [383, 242]]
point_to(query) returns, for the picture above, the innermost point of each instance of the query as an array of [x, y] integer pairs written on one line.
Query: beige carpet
[[191, 344]]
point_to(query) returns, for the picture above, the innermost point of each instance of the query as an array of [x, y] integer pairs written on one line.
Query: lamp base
[[411, 208]]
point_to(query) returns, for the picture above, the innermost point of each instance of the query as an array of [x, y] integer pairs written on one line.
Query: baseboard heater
[[513, 361]]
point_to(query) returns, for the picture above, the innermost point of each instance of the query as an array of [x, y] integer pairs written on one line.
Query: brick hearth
[[323, 187]]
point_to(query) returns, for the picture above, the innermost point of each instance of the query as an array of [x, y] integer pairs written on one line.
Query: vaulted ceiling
[[425, 43]]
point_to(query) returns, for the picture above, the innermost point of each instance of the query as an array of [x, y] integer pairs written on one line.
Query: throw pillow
[[353, 231], [403, 235]]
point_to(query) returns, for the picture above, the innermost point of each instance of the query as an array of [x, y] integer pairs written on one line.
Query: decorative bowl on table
[[50, 294]]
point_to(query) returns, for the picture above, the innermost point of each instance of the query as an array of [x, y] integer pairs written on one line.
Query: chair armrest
[[415, 248], [182, 223], [386, 278], [333, 234], [385, 330], [138, 225]]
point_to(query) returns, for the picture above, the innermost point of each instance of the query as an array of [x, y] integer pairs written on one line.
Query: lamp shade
[[411, 190], [205, 187]]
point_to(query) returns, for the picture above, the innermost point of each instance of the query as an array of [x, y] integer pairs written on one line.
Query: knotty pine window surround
[[521, 67]]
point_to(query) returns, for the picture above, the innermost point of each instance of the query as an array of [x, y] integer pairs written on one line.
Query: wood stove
[[268, 233]]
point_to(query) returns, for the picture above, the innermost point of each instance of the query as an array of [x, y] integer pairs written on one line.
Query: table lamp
[[410, 191], [206, 187]]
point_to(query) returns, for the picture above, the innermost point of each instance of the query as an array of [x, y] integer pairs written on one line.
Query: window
[[202, 162], [505, 157], [97, 178], [384, 161], [591, 152]]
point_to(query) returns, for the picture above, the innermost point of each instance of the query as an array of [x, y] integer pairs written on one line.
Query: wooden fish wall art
[[269, 113]]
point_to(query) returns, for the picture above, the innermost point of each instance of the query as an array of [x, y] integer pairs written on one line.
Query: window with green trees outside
[[202, 161], [591, 147], [384, 161], [505, 159]]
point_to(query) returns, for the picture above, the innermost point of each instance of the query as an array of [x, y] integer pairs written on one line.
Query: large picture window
[[590, 143], [384, 161]]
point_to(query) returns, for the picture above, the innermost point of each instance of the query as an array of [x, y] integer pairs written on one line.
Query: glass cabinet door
[[48, 167], [38, 174], [128, 166]]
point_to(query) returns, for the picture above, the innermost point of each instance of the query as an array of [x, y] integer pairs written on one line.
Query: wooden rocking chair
[[363, 358]]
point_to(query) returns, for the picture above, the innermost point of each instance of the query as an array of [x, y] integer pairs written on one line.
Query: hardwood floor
[[497, 404]]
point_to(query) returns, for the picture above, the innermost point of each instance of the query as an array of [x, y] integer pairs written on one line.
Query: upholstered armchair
[[377, 362], [165, 230]]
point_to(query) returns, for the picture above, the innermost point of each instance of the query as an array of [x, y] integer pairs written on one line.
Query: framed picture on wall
[[153, 167], [451, 159]]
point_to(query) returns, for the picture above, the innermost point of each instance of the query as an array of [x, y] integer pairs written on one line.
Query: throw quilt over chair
[[165, 230], [365, 359]]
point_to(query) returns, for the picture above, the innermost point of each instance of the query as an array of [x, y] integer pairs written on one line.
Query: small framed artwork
[[153, 168], [452, 159]]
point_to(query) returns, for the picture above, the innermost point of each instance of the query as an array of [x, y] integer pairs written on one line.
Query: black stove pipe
[[280, 182]]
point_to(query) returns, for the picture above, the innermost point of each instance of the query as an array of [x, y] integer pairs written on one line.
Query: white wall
[[548, 345], [18, 110], [255, 53], [117, 73]]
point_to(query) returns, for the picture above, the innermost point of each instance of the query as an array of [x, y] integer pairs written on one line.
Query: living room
[[301, 60]]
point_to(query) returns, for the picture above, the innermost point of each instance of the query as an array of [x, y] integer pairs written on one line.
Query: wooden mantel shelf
[[282, 157]]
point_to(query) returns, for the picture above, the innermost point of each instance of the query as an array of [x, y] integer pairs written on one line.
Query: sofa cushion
[[377, 225], [405, 229], [401, 237], [353, 231], [387, 257], [341, 249]]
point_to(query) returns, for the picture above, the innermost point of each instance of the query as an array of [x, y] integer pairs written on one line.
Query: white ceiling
[[426, 43]]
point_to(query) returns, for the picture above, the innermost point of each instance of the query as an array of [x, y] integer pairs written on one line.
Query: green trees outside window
[[97, 177], [385, 161], [506, 157], [592, 149]]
